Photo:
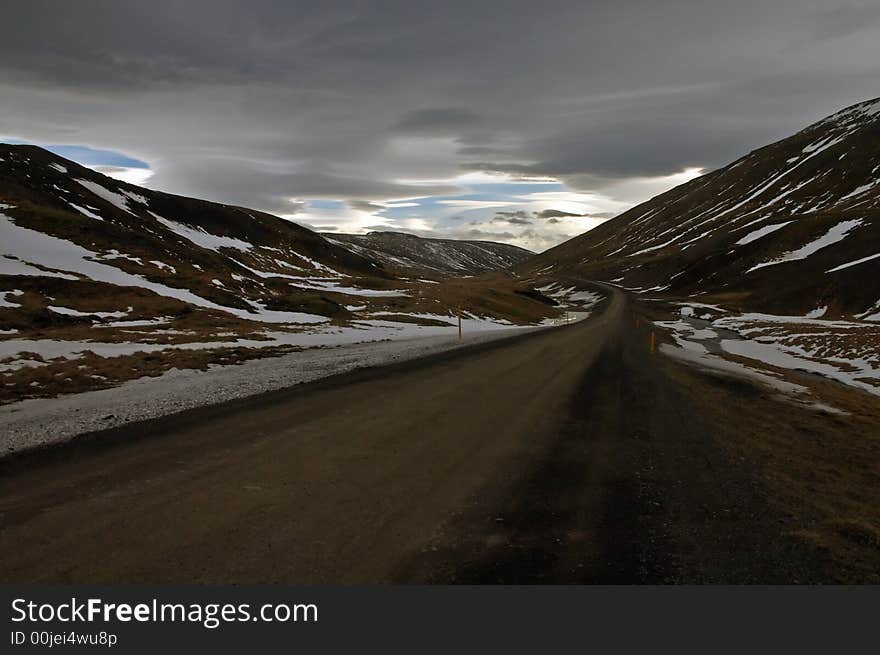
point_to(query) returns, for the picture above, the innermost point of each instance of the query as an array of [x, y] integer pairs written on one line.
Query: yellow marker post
[[652, 343], [459, 322]]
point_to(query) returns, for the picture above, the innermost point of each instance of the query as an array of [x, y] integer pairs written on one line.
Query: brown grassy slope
[[684, 241], [39, 191]]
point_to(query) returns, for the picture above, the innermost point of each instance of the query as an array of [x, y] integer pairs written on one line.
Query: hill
[[790, 228], [432, 256], [102, 281], [772, 261]]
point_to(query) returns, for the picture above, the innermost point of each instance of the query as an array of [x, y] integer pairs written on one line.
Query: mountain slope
[[102, 281], [788, 229], [69, 224], [420, 255], [209, 255]]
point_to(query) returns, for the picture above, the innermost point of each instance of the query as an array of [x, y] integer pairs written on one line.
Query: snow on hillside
[[853, 263], [782, 225], [761, 232], [295, 261], [833, 235], [202, 237], [115, 199], [28, 252], [845, 351], [432, 255], [102, 281], [31, 253]]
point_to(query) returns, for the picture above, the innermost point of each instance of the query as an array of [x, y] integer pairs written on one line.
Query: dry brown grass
[[821, 471], [492, 296], [90, 371]]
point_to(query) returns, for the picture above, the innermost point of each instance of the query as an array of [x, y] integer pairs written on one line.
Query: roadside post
[[459, 322]]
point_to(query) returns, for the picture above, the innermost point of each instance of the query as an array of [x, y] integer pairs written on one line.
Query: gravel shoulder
[[41, 422]]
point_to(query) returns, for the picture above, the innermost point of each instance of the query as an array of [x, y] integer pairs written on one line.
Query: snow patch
[[163, 266], [85, 212], [4, 302], [761, 232], [202, 237], [115, 199], [67, 311], [853, 263], [773, 355], [832, 236], [717, 364]]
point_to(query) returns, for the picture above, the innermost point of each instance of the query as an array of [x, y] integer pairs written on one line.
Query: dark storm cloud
[[842, 21], [553, 214], [519, 217], [621, 146], [255, 103], [480, 151], [270, 189], [437, 122]]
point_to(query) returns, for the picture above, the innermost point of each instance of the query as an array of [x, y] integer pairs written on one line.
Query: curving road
[[567, 455]]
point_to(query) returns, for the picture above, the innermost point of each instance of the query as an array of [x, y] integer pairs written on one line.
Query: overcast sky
[[475, 119]]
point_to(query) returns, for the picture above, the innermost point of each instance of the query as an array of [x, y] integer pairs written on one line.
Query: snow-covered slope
[[445, 256], [788, 228], [66, 221], [102, 281]]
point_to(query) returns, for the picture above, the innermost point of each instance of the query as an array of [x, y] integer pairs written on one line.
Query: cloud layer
[[276, 104]]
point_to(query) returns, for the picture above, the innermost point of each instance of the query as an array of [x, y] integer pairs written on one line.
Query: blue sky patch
[[89, 156]]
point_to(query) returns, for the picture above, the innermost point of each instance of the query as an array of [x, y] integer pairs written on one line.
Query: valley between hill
[[710, 414]]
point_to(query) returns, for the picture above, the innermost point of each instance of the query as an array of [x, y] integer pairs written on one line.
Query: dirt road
[[569, 455]]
